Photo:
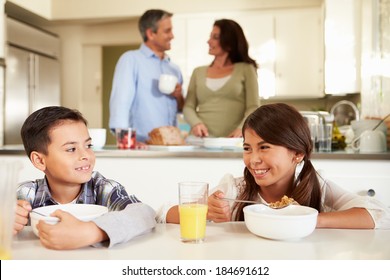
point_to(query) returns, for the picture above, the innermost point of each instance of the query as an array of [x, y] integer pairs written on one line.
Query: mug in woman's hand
[[370, 141]]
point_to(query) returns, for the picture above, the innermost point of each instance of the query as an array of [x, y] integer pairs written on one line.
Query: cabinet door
[[190, 48], [299, 53]]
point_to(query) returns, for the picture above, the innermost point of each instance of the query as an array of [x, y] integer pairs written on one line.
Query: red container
[[125, 138]]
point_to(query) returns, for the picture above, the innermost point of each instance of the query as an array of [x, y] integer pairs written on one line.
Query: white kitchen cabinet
[[287, 44], [366, 178], [299, 53], [342, 46], [190, 49]]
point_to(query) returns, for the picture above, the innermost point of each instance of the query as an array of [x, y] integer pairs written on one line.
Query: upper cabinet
[[286, 43], [299, 59], [342, 46]]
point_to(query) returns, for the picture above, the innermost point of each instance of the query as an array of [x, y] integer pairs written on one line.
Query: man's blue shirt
[[135, 100]]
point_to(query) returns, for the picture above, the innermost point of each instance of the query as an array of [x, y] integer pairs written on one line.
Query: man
[[135, 100]]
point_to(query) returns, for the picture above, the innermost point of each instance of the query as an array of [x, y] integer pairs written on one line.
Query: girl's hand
[[200, 130], [218, 210]]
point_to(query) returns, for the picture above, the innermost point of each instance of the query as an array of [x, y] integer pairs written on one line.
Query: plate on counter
[[223, 143], [179, 148]]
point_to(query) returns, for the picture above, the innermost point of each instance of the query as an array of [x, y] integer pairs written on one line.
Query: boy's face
[[70, 159]]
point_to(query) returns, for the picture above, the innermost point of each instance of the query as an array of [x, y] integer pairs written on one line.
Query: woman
[[277, 149], [221, 95]]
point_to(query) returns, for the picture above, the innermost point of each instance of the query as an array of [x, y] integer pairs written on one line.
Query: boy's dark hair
[[150, 19], [36, 128]]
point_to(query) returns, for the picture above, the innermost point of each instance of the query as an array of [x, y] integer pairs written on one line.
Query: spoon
[[379, 123], [39, 213], [275, 205]]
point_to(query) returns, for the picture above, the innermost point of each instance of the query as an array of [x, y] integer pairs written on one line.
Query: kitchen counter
[[224, 241], [112, 151], [153, 175]]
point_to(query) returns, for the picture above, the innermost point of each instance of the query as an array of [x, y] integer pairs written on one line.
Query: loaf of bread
[[165, 135]]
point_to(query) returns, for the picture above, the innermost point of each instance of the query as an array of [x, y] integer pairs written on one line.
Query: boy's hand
[[69, 232], [218, 210], [23, 208]]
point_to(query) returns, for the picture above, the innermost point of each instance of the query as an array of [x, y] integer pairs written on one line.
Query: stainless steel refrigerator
[[32, 76]]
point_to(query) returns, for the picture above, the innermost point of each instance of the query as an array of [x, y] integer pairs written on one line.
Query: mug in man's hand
[[167, 83]]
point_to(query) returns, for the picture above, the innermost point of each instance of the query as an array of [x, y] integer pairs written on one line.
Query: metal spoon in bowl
[[44, 215], [274, 205], [381, 121]]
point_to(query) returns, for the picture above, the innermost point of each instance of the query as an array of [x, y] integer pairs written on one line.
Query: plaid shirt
[[98, 190]]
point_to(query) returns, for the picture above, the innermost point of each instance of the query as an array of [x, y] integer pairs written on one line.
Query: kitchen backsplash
[[317, 104]]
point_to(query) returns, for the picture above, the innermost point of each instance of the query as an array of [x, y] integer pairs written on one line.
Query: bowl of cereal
[[83, 212], [291, 222]]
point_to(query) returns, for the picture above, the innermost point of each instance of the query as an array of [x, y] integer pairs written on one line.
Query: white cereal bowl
[[83, 212], [291, 222]]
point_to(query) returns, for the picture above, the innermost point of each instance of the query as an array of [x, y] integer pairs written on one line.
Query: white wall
[[81, 60], [2, 28], [109, 9]]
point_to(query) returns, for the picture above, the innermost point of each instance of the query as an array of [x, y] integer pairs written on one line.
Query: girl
[[277, 149]]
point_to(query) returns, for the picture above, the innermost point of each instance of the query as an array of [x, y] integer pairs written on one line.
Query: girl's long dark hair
[[282, 125]]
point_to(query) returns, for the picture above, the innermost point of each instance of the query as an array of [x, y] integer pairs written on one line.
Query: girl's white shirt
[[334, 198]]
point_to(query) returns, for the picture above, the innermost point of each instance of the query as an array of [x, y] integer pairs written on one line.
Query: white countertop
[[224, 241], [199, 152]]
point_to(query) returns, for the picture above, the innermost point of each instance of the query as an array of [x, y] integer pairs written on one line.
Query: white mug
[[98, 136], [370, 141], [167, 83]]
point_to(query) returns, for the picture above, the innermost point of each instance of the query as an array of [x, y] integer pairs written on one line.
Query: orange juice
[[193, 222], [4, 254]]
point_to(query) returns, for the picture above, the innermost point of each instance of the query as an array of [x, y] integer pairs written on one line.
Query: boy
[[57, 142]]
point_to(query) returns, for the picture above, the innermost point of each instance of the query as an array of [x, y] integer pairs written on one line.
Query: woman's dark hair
[[150, 19], [36, 128], [282, 125], [233, 41]]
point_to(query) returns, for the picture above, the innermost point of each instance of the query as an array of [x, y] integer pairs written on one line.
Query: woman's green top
[[225, 109]]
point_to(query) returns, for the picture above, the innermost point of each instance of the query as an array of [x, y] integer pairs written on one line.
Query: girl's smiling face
[[272, 166]]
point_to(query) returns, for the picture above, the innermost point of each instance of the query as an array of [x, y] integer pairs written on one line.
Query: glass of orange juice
[[193, 211], [9, 172]]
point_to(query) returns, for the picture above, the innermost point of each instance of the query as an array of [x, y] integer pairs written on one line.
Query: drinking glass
[[193, 211], [9, 172], [325, 137], [125, 138], [313, 135]]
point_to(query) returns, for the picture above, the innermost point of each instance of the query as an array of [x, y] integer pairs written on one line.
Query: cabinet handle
[[371, 192]]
